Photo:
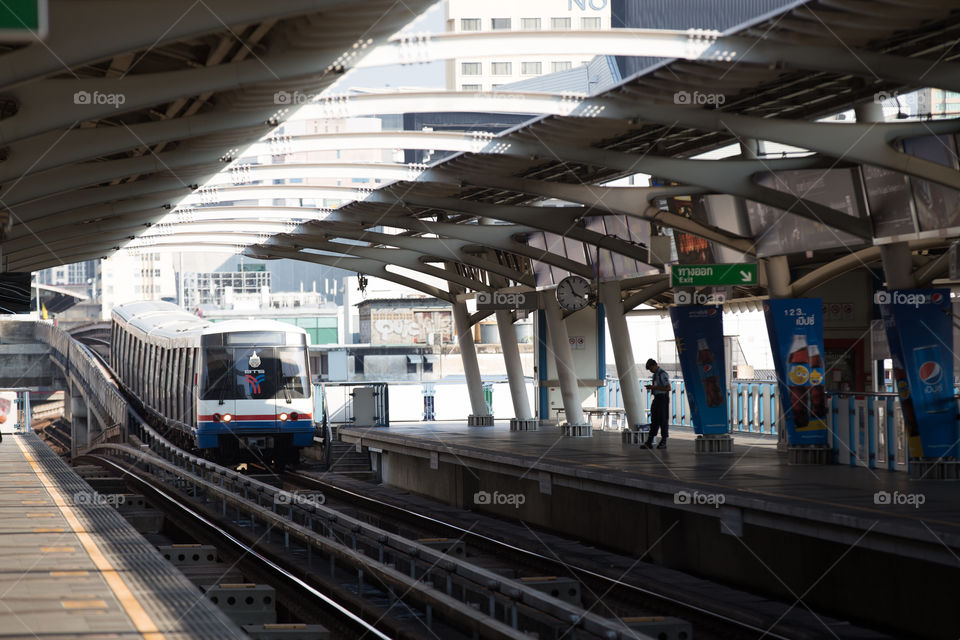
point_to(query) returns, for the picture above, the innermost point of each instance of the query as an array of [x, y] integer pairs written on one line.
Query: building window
[[531, 68], [590, 23], [471, 68], [530, 24], [411, 367], [561, 66], [471, 87], [502, 68], [470, 24], [500, 24], [560, 24]]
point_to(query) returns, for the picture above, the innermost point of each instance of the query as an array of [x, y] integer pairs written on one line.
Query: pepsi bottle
[[708, 374], [818, 397], [798, 375]]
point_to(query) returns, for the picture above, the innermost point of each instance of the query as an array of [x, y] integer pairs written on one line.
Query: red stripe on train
[[300, 416]]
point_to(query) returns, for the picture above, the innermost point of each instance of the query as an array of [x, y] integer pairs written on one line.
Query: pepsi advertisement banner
[[698, 330], [795, 328], [919, 325]]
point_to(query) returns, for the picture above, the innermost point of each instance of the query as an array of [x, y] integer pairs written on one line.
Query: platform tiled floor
[[74, 570]]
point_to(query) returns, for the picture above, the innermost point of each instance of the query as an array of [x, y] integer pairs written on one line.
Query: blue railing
[[753, 405]]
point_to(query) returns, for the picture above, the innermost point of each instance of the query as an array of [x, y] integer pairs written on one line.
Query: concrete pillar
[[897, 258], [622, 352], [563, 356], [898, 265], [471, 368], [523, 419], [79, 431], [777, 271]]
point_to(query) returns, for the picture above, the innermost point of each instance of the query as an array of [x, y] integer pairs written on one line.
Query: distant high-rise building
[[486, 73]]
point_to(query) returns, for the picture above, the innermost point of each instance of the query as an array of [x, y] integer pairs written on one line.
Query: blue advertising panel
[[698, 330], [795, 327], [919, 324]]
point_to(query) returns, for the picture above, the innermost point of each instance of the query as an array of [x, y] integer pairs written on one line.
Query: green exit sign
[[23, 20], [705, 275]]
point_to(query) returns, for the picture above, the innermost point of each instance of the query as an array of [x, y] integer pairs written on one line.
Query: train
[[235, 392]]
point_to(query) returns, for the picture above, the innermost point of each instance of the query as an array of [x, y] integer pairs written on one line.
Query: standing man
[[660, 407]]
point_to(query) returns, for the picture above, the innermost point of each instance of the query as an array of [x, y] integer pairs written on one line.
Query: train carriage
[[237, 391]]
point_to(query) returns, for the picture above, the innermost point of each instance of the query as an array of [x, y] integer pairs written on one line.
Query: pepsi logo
[[930, 372], [707, 368], [937, 298], [712, 312]]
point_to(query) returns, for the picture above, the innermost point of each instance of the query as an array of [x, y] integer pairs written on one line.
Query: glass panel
[[530, 24], [294, 373], [560, 24], [500, 23], [255, 337], [470, 24]]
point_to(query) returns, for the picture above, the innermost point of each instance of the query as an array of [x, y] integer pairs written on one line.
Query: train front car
[[254, 398]]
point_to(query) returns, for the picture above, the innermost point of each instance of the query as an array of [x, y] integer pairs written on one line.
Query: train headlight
[[294, 416], [283, 416], [227, 417], [217, 417]]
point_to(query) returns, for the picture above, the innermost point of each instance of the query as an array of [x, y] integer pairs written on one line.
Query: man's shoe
[[646, 445], [662, 445]]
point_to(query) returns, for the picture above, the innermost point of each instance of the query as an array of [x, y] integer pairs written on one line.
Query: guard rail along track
[[104, 398], [478, 601]]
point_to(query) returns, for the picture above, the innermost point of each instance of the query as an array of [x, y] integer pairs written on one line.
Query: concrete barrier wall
[[846, 581]]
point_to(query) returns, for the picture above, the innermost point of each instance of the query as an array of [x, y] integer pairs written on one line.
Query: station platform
[[748, 518], [72, 568]]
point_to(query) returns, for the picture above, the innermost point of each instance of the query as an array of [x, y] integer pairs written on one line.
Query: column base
[[479, 421], [634, 436], [713, 443], [528, 424], [577, 430], [935, 469], [807, 454]]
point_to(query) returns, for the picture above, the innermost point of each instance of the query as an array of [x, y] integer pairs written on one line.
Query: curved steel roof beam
[[57, 148], [48, 105], [432, 248], [693, 44], [400, 257], [731, 176], [501, 237], [169, 190], [358, 265], [564, 221], [630, 201], [72, 177], [868, 143], [145, 24]]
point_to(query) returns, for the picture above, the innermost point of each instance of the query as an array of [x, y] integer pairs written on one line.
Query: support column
[[777, 272], [471, 368], [566, 373], [79, 431], [897, 258], [523, 420], [623, 353]]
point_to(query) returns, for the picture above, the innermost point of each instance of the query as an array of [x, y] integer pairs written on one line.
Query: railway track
[[298, 598], [611, 594], [405, 587]]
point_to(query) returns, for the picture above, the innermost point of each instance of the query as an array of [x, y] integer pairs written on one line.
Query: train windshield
[[254, 373]]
